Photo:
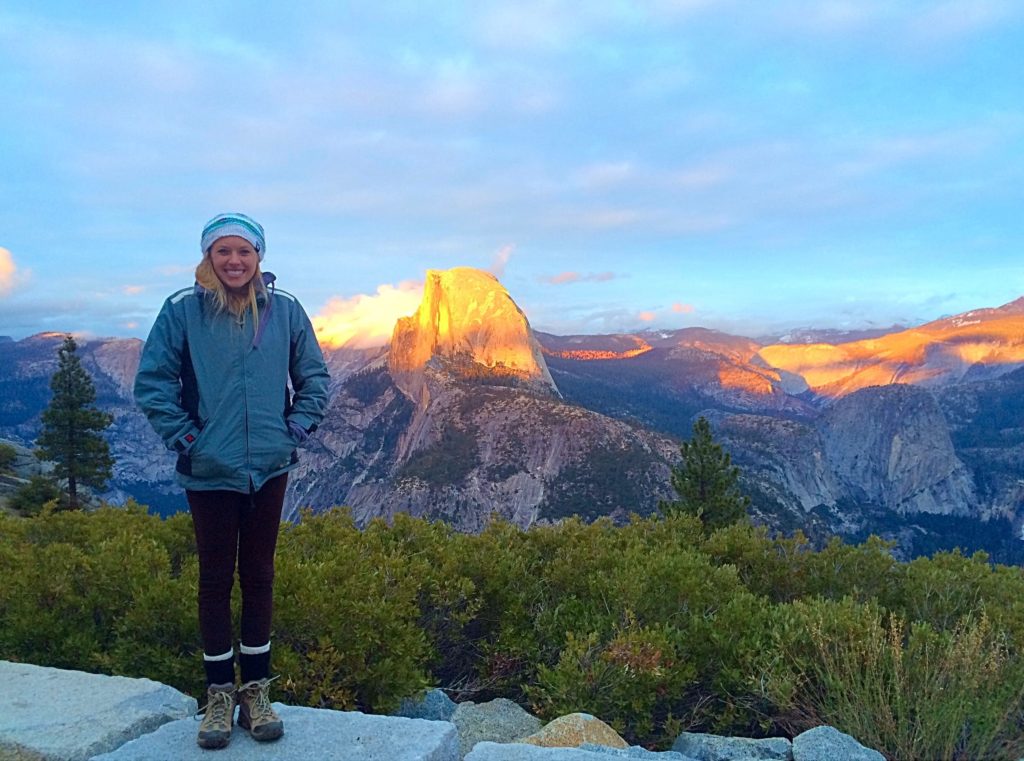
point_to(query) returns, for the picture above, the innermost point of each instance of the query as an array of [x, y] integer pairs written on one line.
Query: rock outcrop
[[50, 714], [891, 446], [468, 324], [460, 418], [982, 343], [310, 733], [574, 730], [500, 720]]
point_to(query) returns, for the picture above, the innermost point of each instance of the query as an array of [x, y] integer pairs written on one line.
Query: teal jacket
[[218, 394]]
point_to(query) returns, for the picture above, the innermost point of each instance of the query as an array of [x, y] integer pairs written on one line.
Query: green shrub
[[653, 626], [40, 491], [909, 690], [8, 455]]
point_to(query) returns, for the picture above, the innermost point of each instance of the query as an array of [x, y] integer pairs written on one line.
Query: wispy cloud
[[605, 175], [501, 260], [565, 278], [171, 270], [363, 320], [132, 290], [952, 19], [681, 308], [10, 274], [647, 316]]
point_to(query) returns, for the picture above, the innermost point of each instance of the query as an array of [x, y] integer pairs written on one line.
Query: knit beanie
[[224, 225]]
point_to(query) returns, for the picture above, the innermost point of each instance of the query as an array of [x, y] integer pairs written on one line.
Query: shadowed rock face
[[468, 323], [891, 446]]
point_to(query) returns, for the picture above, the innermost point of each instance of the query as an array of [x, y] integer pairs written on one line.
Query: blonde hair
[[225, 300]]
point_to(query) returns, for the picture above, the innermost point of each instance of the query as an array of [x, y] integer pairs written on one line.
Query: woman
[[213, 381]]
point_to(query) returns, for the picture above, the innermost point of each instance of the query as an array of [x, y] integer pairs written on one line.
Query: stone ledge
[[49, 714], [309, 733]]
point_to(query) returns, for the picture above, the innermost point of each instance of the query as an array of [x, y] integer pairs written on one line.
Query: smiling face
[[234, 260]]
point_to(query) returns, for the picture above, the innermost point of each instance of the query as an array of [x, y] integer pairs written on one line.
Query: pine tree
[[71, 426], [707, 482]]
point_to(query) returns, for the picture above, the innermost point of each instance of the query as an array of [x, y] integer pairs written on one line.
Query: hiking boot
[[255, 712], [215, 731]]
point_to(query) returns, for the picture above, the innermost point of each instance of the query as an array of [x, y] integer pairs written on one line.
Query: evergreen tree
[[707, 482], [71, 426]]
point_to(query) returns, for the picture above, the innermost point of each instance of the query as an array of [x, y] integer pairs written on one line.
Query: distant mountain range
[[917, 434]]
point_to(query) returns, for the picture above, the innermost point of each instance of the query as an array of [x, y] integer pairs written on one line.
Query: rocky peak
[[890, 445], [466, 323]]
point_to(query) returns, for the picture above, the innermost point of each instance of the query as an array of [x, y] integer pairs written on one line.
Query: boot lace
[[218, 709], [258, 696]]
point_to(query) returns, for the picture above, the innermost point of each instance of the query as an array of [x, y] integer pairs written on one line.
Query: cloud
[[170, 270], [681, 308], [500, 260], [604, 175], [10, 274], [564, 278], [132, 290], [363, 320], [954, 19], [647, 316]]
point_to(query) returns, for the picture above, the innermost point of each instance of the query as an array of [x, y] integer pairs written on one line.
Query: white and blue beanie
[[224, 225]]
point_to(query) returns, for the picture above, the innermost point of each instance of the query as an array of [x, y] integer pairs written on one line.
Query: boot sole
[[267, 733], [214, 741]]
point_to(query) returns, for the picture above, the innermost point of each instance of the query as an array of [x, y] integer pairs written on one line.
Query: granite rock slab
[[703, 747], [499, 720], [636, 751], [309, 733], [431, 704], [491, 751], [829, 743], [49, 714]]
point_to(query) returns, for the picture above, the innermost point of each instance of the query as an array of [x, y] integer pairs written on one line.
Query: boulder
[[704, 747], [48, 713], [431, 704], [635, 751], [489, 751], [309, 733], [573, 730], [829, 743], [499, 720]]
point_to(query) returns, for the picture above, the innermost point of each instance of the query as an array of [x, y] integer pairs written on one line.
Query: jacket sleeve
[[158, 381], [308, 373]]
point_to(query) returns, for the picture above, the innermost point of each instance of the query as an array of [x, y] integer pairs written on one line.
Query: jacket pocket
[[208, 457], [273, 446]]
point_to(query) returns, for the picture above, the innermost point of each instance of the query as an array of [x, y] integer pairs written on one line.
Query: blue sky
[[749, 166]]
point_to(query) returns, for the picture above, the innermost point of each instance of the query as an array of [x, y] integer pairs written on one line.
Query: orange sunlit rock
[[744, 379], [465, 317], [940, 350], [584, 355]]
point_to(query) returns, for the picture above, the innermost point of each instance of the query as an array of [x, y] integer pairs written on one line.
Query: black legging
[[231, 524]]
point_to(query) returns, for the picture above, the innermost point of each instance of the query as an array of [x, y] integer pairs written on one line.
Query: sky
[[746, 166]]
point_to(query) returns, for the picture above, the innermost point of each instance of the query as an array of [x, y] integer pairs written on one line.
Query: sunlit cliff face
[[466, 312], [750, 380], [467, 316], [585, 355], [942, 350]]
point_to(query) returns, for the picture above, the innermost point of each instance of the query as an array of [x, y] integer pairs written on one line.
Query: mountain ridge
[[443, 423]]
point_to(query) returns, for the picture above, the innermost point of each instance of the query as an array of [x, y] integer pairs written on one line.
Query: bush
[[38, 493], [8, 455], [909, 690], [653, 626]]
